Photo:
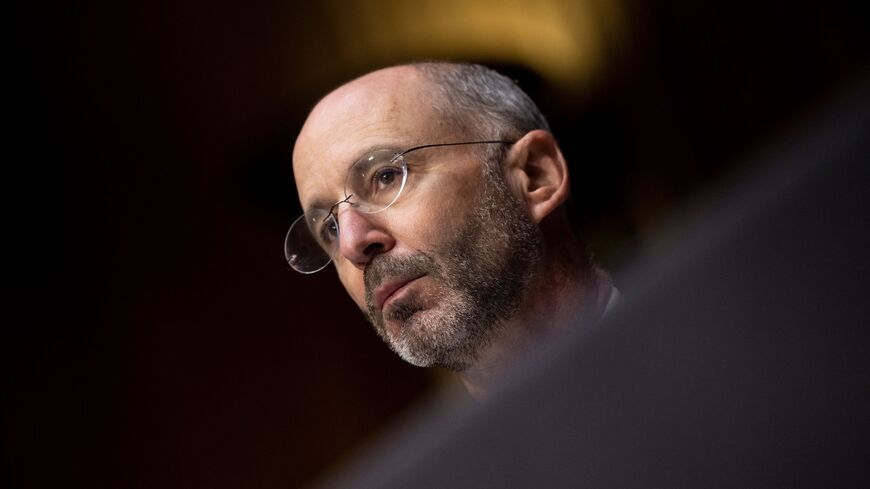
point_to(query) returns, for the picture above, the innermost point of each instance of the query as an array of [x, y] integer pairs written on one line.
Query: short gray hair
[[482, 101]]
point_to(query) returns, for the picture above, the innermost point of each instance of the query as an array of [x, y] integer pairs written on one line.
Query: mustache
[[384, 267]]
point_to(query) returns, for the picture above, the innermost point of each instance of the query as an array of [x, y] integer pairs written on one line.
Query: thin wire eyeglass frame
[[289, 254]]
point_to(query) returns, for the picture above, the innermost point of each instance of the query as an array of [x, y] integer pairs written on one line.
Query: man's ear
[[537, 172]]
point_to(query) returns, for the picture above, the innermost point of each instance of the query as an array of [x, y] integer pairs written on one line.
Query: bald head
[[476, 100], [387, 108]]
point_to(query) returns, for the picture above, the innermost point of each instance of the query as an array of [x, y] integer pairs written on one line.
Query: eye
[[328, 233], [386, 177], [375, 181]]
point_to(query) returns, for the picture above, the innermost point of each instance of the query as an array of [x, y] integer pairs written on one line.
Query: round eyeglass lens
[[375, 181], [305, 252]]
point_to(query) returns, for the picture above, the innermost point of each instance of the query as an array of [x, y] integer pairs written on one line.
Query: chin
[[432, 338]]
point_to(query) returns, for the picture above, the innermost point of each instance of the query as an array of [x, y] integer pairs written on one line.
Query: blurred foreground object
[[740, 358]]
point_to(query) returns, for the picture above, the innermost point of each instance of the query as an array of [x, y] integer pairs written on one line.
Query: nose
[[361, 238]]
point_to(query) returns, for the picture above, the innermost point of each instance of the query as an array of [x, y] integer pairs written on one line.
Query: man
[[437, 192]]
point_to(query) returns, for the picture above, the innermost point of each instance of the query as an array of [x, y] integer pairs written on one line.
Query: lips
[[388, 289]]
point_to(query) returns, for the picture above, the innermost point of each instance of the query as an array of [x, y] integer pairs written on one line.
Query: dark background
[[156, 338]]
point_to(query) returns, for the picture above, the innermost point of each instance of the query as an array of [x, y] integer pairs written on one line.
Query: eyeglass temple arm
[[415, 148]]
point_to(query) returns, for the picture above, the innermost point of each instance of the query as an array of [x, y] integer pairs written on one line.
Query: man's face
[[441, 268]]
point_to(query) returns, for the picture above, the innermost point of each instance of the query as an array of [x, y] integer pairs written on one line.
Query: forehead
[[387, 109]]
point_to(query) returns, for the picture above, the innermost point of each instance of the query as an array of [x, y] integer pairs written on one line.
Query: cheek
[[436, 214], [427, 229]]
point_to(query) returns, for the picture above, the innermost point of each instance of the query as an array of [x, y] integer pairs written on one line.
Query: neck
[[561, 298]]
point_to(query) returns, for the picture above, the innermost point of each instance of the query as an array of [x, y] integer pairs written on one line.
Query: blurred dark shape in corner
[[740, 358]]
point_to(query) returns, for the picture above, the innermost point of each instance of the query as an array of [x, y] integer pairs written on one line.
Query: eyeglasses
[[374, 182]]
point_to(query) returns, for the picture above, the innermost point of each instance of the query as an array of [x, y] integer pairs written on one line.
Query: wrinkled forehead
[[387, 109]]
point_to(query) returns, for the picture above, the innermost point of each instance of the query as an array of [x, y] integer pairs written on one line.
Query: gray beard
[[484, 272]]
